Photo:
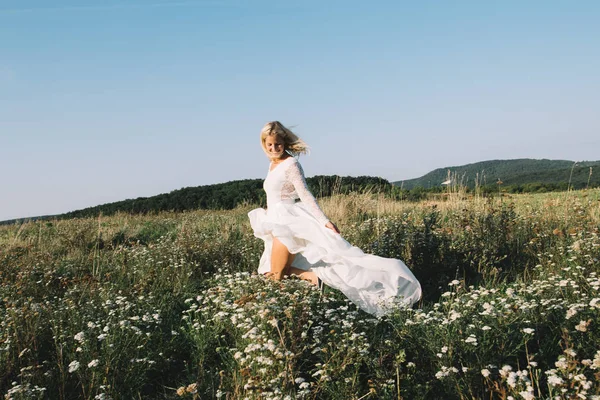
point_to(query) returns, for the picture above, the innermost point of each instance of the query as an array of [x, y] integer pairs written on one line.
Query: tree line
[[229, 195]]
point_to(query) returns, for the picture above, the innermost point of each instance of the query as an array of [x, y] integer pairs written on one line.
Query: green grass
[[169, 306]]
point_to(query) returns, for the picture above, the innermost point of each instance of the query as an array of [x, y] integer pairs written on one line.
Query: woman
[[300, 239]]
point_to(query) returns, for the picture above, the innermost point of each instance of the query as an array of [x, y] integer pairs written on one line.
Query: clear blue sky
[[105, 100]]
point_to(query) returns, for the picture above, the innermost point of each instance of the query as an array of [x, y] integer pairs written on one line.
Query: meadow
[[169, 306]]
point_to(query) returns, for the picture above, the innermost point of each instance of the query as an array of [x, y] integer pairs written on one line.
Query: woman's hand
[[332, 226]]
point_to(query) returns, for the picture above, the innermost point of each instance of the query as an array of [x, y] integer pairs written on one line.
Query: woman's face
[[275, 146]]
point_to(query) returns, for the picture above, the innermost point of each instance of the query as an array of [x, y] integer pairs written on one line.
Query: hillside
[[519, 175], [511, 172]]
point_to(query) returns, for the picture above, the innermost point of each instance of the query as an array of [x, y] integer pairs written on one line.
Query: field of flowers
[[169, 306]]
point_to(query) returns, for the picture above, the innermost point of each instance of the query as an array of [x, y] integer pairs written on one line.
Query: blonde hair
[[292, 143]]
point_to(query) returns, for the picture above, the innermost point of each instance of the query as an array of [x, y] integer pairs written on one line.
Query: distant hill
[[511, 173], [520, 175]]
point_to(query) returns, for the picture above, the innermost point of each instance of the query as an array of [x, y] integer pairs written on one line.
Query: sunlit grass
[[168, 305]]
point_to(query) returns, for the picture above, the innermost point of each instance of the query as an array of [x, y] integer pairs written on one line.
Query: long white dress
[[373, 283]]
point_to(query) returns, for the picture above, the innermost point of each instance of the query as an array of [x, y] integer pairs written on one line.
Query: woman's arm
[[296, 176]]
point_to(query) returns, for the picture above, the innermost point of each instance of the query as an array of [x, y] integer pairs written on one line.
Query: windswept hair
[[293, 144]]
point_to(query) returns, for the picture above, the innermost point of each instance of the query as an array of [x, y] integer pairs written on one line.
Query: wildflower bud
[[192, 388]]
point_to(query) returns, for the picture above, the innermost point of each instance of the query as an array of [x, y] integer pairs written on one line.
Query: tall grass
[[168, 306]]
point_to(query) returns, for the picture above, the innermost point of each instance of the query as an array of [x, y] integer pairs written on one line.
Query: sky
[[107, 100]]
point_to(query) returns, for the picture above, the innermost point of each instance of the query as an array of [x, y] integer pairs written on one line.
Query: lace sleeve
[[295, 175]]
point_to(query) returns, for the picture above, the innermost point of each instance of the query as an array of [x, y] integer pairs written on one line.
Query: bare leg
[[305, 275], [281, 260]]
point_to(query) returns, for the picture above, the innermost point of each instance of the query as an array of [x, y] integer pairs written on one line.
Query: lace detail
[[295, 187]]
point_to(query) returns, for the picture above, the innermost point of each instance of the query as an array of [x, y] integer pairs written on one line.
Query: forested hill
[[520, 175], [516, 172], [222, 196]]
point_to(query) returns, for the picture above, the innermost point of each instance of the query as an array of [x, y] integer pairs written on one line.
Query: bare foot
[[308, 276]]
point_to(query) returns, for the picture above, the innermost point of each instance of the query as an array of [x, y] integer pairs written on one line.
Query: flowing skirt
[[375, 284]]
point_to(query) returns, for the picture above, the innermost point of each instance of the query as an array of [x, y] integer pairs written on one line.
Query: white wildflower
[[582, 326], [505, 370], [73, 366], [580, 378], [596, 362], [512, 379], [471, 339], [570, 352], [454, 315], [527, 395], [561, 363], [555, 380]]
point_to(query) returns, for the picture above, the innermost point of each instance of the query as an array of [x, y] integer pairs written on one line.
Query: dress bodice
[[286, 183]]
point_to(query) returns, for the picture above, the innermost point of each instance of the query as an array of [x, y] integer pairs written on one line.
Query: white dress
[[373, 283]]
